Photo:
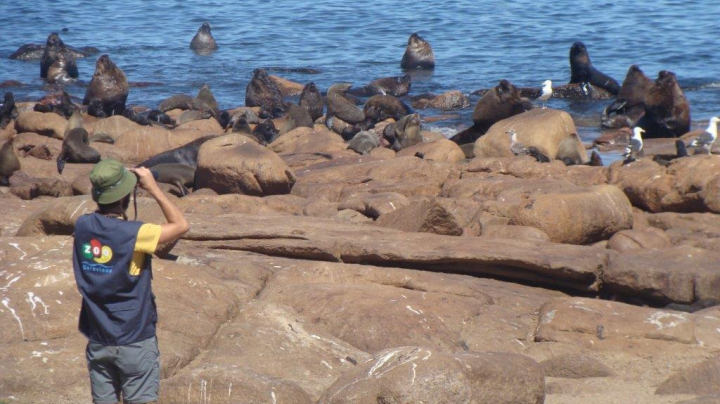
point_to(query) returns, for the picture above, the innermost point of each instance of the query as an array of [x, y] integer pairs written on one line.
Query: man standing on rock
[[113, 271]]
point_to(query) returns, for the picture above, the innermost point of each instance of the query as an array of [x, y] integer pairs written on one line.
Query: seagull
[[707, 138], [516, 147], [635, 145], [546, 92]]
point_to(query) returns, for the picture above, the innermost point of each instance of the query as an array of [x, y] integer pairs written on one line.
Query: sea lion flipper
[[60, 165]]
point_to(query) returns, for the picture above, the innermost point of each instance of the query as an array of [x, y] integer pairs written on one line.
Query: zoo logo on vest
[[101, 254]]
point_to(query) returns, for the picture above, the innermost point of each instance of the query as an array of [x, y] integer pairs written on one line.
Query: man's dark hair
[[118, 208]]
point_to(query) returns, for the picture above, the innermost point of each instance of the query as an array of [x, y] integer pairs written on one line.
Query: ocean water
[[476, 44]]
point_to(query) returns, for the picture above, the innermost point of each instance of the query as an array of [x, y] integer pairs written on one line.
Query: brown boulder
[[303, 146], [375, 205], [514, 233], [27, 187], [47, 124], [414, 375], [438, 150], [287, 88], [544, 129], [210, 125], [702, 378], [651, 238], [235, 164], [571, 366], [425, 216]]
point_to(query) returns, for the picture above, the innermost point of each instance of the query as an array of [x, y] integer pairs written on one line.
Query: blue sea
[[476, 44]]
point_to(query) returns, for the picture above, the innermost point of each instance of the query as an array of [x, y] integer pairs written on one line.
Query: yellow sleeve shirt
[[146, 243]]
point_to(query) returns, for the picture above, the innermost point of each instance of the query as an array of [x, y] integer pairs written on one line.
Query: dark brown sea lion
[[206, 96], [408, 132], [9, 162], [339, 106], [418, 54], [53, 48], [296, 117], [149, 117], [109, 85], [76, 149], [95, 108], [180, 175], [35, 52], [667, 111], [58, 71], [241, 125], [192, 115], [64, 108], [8, 111], [185, 154], [312, 100], [184, 102], [582, 70], [630, 103], [381, 107], [262, 91], [203, 40], [265, 132], [363, 142], [501, 102], [395, 86]]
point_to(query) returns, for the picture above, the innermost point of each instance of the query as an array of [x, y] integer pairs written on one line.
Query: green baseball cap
[[111, 181]]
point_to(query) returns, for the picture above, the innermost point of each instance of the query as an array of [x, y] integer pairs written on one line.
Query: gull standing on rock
[[546, 92], [516, 147], [635, 145], [707, 138]]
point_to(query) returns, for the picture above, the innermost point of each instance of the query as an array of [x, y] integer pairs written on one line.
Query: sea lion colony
[[533, 210]]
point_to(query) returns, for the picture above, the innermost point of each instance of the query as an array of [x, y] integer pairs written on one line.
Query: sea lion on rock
[[184, 102], [262, 91], [241, 125], [339, 106], [58, 71], [65, 108], [9, 162], [629, 105], [395, 86], [404, 133], [667, 111], [207, 97], [265, 132], [76, 149], [381, 107], [296, 117], [95, 108], [418, 54], [568, 152], [363, 142], [35, 52], [53, 48], [9, 110], [180, 175], [109, 85], [203, 40], [312, 100], [582, 70], [185, 154], [501, 102]]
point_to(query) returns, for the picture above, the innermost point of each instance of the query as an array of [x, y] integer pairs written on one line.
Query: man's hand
[[145, 178]]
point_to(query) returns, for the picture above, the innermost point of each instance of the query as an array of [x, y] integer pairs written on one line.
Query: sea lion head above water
[[582, 70], [418, 54], [203, 39]]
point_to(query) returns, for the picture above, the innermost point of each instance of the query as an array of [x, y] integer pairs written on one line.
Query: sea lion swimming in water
[[109, 85], [9, 162], [629, 105], [395, 86], [501, 102], [8, 111], [53, 48], [262, 91], [582, 70], [203, 40], [312, 100], [58, 71], [418, 54], [667, 111]]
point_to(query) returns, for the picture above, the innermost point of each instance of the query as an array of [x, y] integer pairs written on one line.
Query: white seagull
[[707, 138], [516, 147], [635, 145], [546, 92]]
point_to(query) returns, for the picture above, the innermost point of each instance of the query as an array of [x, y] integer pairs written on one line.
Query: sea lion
[[9, 110], [568, 152], [241, 125], [582, 70], [65, 108], [203, 40], [95, 108], [58, 73], [363, 142], [75, 121], [9, 162], [404, 133], [149, 117], [339, 106], [312, 100], [395, 86], [53, 48], [35, 52], [185, 154], [381, 107], [76, 149], [180, 175], [207, 97], [629, 105], [501, 102], [296, 117], [109, 85], [265, 132], [184, 102], [262, 91], [667, 111], [418, 54]]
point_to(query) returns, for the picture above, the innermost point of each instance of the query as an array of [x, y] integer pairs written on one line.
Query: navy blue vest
[[117, 308]]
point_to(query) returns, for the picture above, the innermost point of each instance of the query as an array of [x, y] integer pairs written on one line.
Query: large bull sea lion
[[53, 48], [203, 40], [667, 111], [418, 54], [629, 105], [262, 91], [109, 85]]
